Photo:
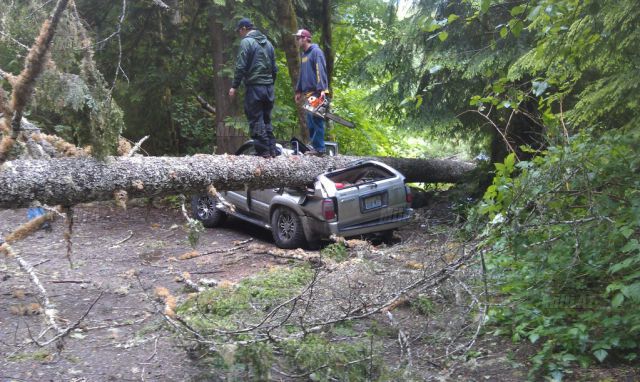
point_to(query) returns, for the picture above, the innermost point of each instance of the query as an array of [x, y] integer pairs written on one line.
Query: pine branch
[[11, 79], [34, 65]]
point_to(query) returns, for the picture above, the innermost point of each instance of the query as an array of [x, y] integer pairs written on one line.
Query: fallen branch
[[137, 146], [49, 308], [69, 282], [125, 239], [68, 330]]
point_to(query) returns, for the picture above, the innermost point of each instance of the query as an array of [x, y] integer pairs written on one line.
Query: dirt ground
[[121, 256], [124, 255]]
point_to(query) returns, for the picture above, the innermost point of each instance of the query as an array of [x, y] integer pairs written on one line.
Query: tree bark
[[228, 139], [289, 25], [68, 181], [327, 38]]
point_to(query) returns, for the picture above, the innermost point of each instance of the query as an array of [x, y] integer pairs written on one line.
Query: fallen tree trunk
[[69, 181]]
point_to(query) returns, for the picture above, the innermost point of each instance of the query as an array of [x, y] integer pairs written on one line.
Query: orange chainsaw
[[319, 106]]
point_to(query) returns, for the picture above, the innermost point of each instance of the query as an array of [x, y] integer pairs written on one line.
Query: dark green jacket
[[256, 62]]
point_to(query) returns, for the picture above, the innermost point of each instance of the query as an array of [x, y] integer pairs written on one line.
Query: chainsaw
[[319, 106]]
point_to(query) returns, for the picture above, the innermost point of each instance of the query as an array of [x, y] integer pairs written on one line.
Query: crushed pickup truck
[[363, 198]]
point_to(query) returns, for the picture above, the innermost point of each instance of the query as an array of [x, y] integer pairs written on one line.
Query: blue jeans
[[316, 132]]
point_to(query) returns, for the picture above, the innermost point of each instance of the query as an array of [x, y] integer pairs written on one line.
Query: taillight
[[339, 186], [328, 209], [409, 195]]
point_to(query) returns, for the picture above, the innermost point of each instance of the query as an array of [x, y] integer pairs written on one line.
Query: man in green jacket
[[256, 66]]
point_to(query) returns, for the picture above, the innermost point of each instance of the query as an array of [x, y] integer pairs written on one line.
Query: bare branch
[[48, 307], [205, 105], [137, 146], [117, 33], [13, 40], [68, 330], [495, 126]]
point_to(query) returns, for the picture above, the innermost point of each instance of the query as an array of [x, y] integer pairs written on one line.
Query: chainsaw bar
[[340, 120]]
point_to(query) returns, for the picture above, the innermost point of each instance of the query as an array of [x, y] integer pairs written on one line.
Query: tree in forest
[[71, 98]]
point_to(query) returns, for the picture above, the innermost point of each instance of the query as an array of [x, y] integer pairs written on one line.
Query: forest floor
[[119, 257]]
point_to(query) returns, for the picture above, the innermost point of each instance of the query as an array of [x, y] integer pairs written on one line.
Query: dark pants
[[258, 103]]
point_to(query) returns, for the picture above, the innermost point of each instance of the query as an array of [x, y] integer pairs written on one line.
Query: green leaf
[[518, 10], [452, 17], [632, 245], [443, 35], [632, 291], [533, 337], [600, 354], [627, 231], [504, 32], [617, 300], [517, 28], [484, 5], [625, 264], [510, 161], [433, 26]]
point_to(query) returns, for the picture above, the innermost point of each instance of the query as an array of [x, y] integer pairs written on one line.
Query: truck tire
[[286, 228], [203, 208]]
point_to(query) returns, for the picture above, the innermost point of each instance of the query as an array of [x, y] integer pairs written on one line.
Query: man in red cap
[[312, 82]]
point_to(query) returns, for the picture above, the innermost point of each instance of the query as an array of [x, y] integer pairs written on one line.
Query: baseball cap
[[244, 23], [303, 33]]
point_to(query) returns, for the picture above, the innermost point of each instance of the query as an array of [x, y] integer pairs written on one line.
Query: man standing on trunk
[[312, 82], [256, 66]]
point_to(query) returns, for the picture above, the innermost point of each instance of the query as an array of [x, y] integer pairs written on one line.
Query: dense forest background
[[546, 89]]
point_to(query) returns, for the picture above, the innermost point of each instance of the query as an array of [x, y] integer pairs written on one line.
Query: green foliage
[[195, 229], [337, 252], [333, 360], [220, 306], [71, 97], [225, 307], [562, 232], [423, 305], [195, 126]]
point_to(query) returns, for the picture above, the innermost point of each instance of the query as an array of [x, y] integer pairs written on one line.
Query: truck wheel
[[204, 209], [286, 228]]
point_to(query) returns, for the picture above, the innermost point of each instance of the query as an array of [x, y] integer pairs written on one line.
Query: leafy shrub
[[564, 252], [336, 251]]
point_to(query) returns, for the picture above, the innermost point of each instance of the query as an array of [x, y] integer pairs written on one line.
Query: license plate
[[373, 202]]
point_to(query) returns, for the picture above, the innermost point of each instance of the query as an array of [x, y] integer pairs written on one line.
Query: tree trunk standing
[[327, 38], [228, 139], [289, 25], [69, 181]]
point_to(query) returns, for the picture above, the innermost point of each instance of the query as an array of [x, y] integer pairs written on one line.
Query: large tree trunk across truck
[[69, 181]]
